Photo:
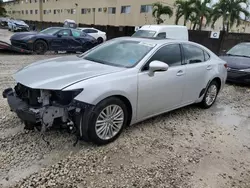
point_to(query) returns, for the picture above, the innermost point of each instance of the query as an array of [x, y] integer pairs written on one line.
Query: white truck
[[163, 31]]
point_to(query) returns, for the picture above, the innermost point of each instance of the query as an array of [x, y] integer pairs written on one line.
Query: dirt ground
[[188, 148]]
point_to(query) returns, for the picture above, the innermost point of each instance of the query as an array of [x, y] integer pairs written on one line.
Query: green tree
[[230, 11], [2, 9], [184, 8], [202, 11], [194, 19], [159, 10]]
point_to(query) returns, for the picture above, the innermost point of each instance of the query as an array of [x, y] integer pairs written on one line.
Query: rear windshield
[[144, 33]]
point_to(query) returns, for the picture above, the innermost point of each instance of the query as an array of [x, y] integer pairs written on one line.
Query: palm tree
[[202, 11], [194, 19], [159, 10], [2, 9], [184, 8], [230, 11]]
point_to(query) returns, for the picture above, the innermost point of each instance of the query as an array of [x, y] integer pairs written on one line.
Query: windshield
[[144, 33], [50, 31], [240, 50], [119, 53]]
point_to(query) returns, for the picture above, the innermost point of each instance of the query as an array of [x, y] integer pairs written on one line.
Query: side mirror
[[157, 66], [59, 35]]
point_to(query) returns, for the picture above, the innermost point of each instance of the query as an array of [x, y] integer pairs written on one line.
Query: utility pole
[[76, 4], [40, 10]]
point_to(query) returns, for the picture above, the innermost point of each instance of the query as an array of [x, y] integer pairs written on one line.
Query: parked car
[[100, 36], [238, 62], [17, 25], [163, 31], [54, 39], [4, 22], [120, 82]]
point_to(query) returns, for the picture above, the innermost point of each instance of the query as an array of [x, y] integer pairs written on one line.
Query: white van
[[163, 31]]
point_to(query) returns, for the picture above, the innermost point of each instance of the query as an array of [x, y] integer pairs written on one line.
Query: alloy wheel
[[109, 122], [211, 94]]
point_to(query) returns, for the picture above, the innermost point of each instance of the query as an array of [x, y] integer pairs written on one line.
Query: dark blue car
[[54, 39]]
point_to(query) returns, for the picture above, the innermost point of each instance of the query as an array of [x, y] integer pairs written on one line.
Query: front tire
[[210, 95], [40, 47], [108, 120]]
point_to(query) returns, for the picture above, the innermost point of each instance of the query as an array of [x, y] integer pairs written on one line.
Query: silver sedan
[[118, 83]]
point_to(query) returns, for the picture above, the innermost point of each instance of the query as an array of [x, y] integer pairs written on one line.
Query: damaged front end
[[45, 108]]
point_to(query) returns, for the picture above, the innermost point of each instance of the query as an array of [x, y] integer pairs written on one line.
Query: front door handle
[[209, 67], [180, 73]]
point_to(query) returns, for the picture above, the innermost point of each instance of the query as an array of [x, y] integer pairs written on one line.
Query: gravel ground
[[189, 147]]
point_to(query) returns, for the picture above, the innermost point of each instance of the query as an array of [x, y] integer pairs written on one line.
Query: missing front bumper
[[20, 107]]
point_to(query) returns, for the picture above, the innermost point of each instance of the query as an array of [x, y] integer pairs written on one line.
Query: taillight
[[225, 65]]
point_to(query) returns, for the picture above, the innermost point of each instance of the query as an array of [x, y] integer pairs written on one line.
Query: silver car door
[[197, 72], [164, 90]]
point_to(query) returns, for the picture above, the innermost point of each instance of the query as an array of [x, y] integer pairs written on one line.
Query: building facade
[[98, 12]]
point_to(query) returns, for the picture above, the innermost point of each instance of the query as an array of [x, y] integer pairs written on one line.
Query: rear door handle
[[209, 67], [180, 73]]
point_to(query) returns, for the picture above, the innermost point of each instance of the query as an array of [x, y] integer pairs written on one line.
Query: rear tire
[[210, 95], [110, 115], [40, 47], [100, 40]]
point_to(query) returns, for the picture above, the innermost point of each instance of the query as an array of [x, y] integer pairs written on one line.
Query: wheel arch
[[126, 101], [128, 105], [217, 79], [42, 40]]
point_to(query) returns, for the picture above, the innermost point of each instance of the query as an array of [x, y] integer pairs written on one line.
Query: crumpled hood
[[237, 62], [58, 73]]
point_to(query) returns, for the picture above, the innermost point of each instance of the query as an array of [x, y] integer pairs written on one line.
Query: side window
[[65, 32], [85, 31], [207, 56], [76, 33], [162, 35], [193, 54], [90, 31], [170, 54]]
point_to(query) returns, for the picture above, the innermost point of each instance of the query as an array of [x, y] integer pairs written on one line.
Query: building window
[[99, 9], [86, 10], [27, 12], [44, 11], [146, 8], [73, 11], [36, 11], [31, 11], [55, 11], [22, 11], [125, 9], [111, 10]]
